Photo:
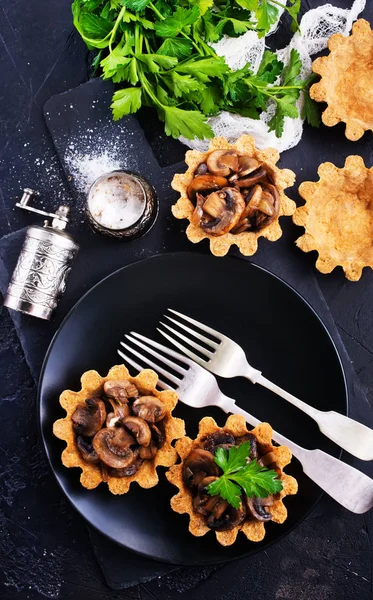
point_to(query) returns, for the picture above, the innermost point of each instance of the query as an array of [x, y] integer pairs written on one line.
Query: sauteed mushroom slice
[[252, 179], [87, 451], [226, 207], [127, 471], [203, 503], [262, 207], [225, 517], [219, 439], [89, 417], [198, 211], [147, 452], [149, 408], [198, 465], [222, 162], [256, 508], [139, 428], [117, 389], [205, 183], [120, 411], [112, 445], [246, 165], [157, 436]]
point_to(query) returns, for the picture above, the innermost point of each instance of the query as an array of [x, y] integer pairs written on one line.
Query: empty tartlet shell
[[338, 217], [346, 81], [247, 241], [183, 501], [92, 386]]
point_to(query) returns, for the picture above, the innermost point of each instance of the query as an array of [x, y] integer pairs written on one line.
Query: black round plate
[[281, 335]]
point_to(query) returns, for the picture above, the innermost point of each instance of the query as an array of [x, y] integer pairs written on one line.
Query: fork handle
[[350, 435], [348, 486]]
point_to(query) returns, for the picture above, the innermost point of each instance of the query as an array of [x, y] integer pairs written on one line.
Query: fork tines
[[149, 346], [207, 353]]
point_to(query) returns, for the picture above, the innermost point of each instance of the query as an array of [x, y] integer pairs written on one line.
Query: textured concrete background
[[44, 546]]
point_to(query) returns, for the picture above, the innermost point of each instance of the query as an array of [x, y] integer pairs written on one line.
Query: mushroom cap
[[112, 445], [88, 417], [139, 428], [93, 474], [149, 408]]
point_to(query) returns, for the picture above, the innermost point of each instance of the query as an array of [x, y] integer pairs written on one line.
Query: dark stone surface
[[45, 550]]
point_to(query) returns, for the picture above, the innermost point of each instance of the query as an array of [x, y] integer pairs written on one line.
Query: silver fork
[[198, 388], [227, 359]]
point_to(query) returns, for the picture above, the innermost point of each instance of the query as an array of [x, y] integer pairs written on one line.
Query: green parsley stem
[[116, 25], [287, 9], [156, 11]]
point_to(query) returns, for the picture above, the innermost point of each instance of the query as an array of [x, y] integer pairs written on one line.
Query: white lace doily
[[316, 27]]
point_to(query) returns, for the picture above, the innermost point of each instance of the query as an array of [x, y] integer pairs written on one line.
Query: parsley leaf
[[204, 68], [266, 15], [179, 20], [258, 481], [226, 489], [180, 48], [190, 124], [239, 475], [310, 110], [136, 5], [126, 101], [234, 460]]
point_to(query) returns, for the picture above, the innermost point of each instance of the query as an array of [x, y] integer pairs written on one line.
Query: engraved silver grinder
[[39, 278]]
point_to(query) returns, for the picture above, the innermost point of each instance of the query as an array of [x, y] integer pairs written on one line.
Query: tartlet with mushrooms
[[119, 429], [198, 469], [233, 194]]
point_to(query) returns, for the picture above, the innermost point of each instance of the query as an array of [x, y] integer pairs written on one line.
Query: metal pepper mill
[[44, 263]]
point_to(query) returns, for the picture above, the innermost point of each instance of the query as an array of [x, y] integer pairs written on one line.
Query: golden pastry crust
[[247, 241], [183, 501], [92, 385], [346, 83], [338, 217]]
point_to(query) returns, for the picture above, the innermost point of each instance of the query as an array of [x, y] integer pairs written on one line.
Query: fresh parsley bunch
[[159, 54], [239, 475]]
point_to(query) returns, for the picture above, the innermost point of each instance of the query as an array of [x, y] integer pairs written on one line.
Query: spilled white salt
[[85, 168]]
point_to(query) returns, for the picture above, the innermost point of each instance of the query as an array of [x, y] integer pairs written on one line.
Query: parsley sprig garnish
[[160, 55], [239, 475]]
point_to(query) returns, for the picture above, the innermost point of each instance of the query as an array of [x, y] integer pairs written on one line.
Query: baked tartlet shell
[[182, 502], [247, 242], [346, 81], [338, 217], [92, 386]]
